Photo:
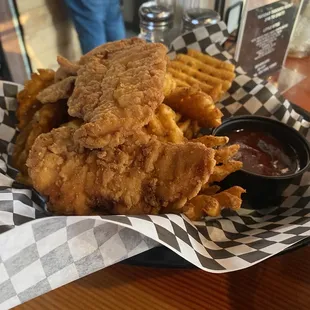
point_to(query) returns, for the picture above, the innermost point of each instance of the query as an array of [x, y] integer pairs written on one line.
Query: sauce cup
[[263, 190]]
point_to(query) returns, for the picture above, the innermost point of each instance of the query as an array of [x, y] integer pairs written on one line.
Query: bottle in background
[[300, 43], [194, 18], [156, 21]]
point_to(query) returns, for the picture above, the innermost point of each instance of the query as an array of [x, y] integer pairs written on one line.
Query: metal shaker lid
[[193, 18], [153, 15]]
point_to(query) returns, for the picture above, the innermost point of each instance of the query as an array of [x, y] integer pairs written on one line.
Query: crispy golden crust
[[140, 176], [55, 92], [200, 76], [216, 63], [164, 125], [196, 105], [66, 69], [112, 47], [44, 120], [212, 204], [212, 76], [28, 104], [123, 152], [117, 93]]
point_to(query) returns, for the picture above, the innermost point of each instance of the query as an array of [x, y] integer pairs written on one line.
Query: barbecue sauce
[[262, 154]]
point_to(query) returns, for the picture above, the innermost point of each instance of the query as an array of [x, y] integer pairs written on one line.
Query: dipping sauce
[[262, 154]]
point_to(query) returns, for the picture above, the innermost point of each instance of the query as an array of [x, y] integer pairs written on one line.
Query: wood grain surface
[[300, 94], [281, 282]]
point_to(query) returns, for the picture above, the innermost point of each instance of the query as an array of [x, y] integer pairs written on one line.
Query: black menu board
[[265, 32]]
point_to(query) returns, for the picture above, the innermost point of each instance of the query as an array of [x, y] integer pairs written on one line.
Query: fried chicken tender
[[28, 104], [66, 68], [44, 120], [141, 176], [60, 90], [111, 47], [117, 91]]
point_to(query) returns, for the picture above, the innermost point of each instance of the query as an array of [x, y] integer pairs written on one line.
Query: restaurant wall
[[48, 32]]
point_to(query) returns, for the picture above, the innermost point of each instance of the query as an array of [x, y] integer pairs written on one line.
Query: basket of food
[[127, 149]]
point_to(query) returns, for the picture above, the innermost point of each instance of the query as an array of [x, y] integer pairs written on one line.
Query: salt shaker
[[155, 22]]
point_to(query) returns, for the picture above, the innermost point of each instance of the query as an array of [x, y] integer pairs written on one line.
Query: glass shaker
[[179, 6], [300, 43], [155, 22], [194, 18]]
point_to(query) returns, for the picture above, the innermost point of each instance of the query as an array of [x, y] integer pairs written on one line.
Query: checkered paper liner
[[40, 252]]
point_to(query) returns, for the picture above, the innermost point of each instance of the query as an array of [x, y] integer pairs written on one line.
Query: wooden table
[[300, 94], [281, 282]]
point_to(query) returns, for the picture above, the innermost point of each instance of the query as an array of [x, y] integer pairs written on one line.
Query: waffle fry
[[27, 101], [212, 141], [230, 198], [236, 191], [210, 190], [184, 126], [169, 84], [178, 75], [164, 125], [199, 205], [44, 120], [200, 66], [196, 105], [213, 204], [192, 130], [201, 76], [212, 76], [224, 165], [181, 83], [214, 62], [216, 92], [221, 172], [224, 154]]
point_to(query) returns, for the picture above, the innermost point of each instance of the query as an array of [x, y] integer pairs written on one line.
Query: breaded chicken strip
[[140, 176], [55, 92], [44, 120], [117, 91]]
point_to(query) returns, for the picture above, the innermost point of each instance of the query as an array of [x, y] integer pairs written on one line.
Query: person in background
[[96, 21]]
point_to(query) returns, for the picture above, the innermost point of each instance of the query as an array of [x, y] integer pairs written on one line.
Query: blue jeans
[[96, 21]]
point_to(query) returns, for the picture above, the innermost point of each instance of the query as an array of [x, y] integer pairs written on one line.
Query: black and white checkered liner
[[46, 252]]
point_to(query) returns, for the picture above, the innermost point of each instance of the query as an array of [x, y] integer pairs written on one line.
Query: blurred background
[[34, 32]]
